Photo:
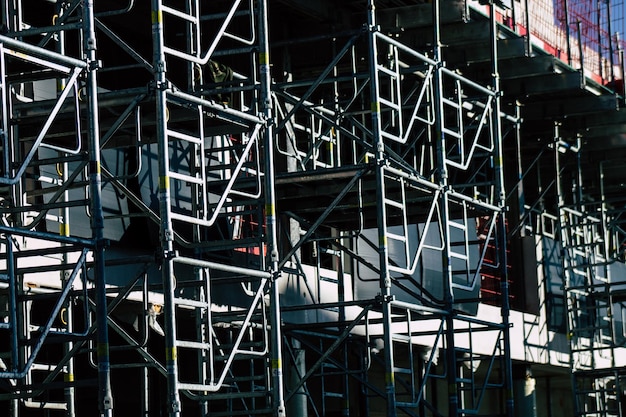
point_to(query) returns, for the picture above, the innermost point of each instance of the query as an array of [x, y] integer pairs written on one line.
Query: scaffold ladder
[[396, 212], [193, 17], [222, 339], [589, 311], [204, 164]]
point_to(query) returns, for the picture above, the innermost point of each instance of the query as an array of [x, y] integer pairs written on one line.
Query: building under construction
[[312, 208]]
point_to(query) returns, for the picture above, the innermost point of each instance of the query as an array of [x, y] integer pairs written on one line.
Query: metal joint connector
[[264, 118], [381, 299], [163, 85], [101, 243], [275, 275], [94, 65], [174, 406], [161, 256]]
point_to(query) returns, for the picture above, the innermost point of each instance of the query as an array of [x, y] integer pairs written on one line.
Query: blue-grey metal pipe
[[12, 304], [265, 108], [105, 397], [381, 216], [527, 43], [41, 52], [501, 224], [69, 391], [567, 32], [222, 267], [166, 229], [580, 46], [622, 69], [599, 37], [46, 236], [611, 50], [218, 108], [443, 183], [4, 136]]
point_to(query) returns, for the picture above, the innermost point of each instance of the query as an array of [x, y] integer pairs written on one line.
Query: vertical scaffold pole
[[567, 32], [381, 217], [64, 230], [14, 407], [166, 230], [611, 50], [442, 178], [501, 221], [265, 108], [105, 397], [527, 40]]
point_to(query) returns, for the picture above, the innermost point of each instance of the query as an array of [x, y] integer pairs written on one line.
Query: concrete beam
[[543, 84], [419, 15], [567, 107]]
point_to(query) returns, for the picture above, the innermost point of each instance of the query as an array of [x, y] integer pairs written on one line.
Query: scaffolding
[[192, 228]]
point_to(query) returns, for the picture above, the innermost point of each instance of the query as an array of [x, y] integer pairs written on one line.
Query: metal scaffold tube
[[97, 222], [291, 208], [384, 277], [265, 110], [443, 182], [501, 214], [166, 232]]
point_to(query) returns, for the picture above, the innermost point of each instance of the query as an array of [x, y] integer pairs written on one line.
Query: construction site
[[296, 208]]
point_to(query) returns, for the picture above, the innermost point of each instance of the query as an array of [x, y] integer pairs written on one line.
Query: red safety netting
[[596, 30]]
